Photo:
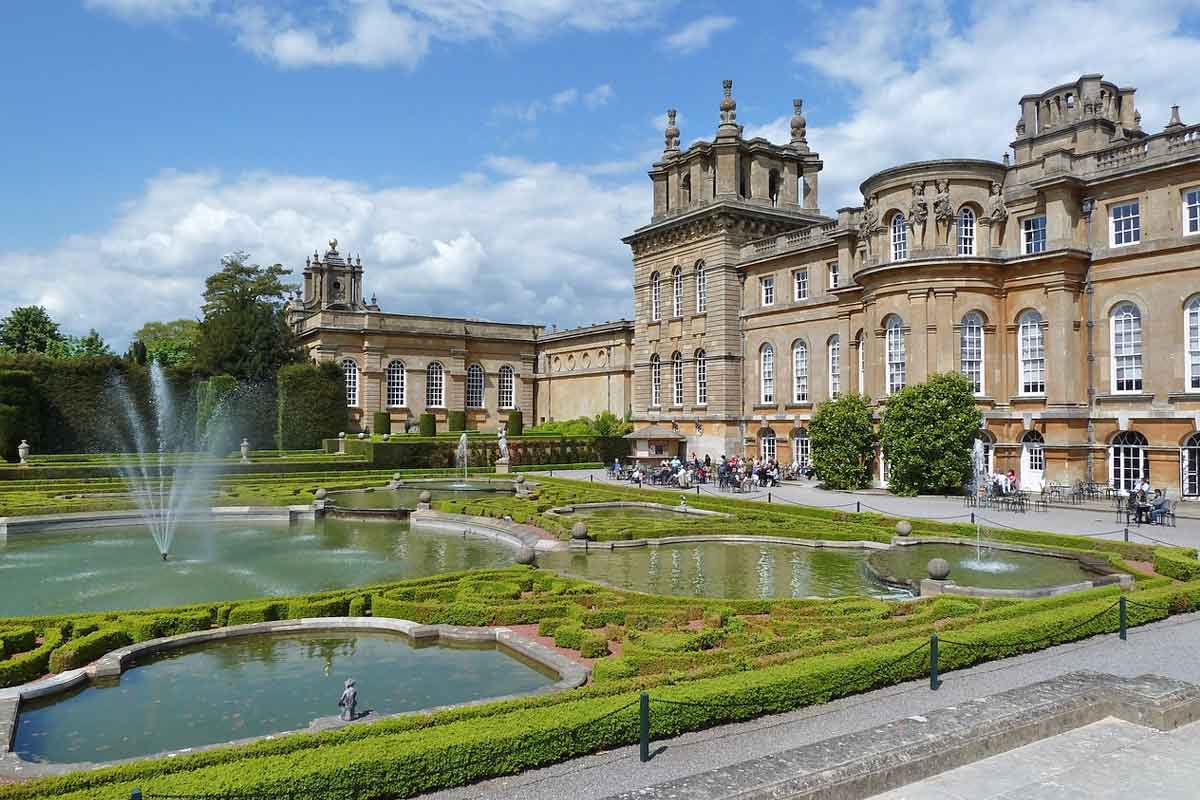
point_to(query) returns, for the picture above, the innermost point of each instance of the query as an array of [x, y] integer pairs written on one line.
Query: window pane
[[474, 386], [1033, 233], [895, 357], [395, 383], [506, 389], [800, 373], [701, 378], [1126, 224], [350, 371], [801, 279], [971, 351], [768, 374], [1033, 356], [835, 367], [655, 381], [1127, 349]]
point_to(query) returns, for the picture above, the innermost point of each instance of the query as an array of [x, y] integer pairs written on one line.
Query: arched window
[[766, 444], [966, 231], [396, 378], [1032, 348], [1126, 341], [701, 288], [835, 366], [767, 375], [677, 292], [799, 372], [970, 350], [801, 447], [773, 187], [655, 297], [896, 363], [899, 238], [1189, 466], [1191, 333], [505, 388], [685, 190], [435, 385], [677, 378], [989, 451], [701, 378], [655, 380], [862, 363], [350, 371], [1127, 463], [474, 386]]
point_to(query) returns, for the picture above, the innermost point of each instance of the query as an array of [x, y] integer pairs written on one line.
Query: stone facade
[[409, 364], [1065, 280]]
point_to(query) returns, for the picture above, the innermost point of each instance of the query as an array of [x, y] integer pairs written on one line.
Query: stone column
[[811, 187]]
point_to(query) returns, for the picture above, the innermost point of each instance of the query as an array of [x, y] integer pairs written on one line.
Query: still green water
[[406, 497], [118, 568], [719, 569], [991, 569], [253, 686]]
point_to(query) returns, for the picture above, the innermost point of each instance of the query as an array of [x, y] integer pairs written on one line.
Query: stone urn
[[245, 448], [939, 569], [525, 555], [394, 483], [579, 532], [423, 500], [903, 527], [362, 435], [23, 452]]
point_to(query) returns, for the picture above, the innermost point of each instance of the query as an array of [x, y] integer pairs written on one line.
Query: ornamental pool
[[257, 685]]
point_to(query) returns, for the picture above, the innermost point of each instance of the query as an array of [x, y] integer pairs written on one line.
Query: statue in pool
[[348, 701]]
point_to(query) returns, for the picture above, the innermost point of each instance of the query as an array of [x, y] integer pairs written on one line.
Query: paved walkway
[[1107, 760], [1170, 648], [1055, 520]]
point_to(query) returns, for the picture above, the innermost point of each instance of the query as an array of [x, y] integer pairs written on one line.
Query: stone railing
[[1183, 139], [1161, 145], [793, 240], [1125, 154]]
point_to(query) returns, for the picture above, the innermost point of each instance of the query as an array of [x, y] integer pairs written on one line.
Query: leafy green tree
[[29, 329], [89, 346], [843, 442], [244, 332], [171, 344], [927, 432]]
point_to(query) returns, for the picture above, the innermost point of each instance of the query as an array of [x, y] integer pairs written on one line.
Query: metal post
[[591, 478], [768, 497], [645, 732], [697, 488], [972, 517], [1126, 539], [858, 506], [934, 683], [1123, 611]]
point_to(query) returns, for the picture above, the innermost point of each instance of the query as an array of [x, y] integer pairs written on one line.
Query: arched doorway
[[1189, 467], [1033, 461], [1127, 464], [801, 447], [766, 444]]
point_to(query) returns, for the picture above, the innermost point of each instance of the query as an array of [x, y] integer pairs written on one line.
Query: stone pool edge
[[106, 519], [571, 675]]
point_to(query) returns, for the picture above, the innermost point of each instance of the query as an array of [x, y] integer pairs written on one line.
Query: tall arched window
[[1126, 340], [799, 372], [767, 374], [701, 378], [655, 296], [677, 378], [899, 238], [896, 362], [677, 292], [474, 386], [1189, 461], [970, 350], [835, 366], [701, 288], [766, 444], [350, 371], [773, 184], [655, 380], [506, 388], [435, 385], [862, 363], [1127, 464], [685, 190], [1032, 348], [801, 447], [966, 231], [396, 379], [1191, 332]]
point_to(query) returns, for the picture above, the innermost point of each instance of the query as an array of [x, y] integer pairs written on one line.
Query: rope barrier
[[1046, 638], [1147, 605]]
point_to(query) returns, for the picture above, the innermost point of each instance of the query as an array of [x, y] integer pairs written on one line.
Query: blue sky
[[484, 156]]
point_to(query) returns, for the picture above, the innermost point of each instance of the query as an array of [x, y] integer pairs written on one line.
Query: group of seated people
[[741, 475], [671, 472], [1146, 506], [736, 473]]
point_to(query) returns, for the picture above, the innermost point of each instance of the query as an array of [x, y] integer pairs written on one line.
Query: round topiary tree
[[843, 442], [927, 432]]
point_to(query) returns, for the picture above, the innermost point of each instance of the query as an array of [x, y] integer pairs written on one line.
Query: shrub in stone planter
[[427, 424], [516, 423], [381, 422]]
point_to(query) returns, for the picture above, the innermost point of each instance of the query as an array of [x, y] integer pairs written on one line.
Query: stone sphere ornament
[[396, 476], [939, 568], [320, 494], [520, 479], [579, 532], [525, 555], [904, 527], [424, 497]]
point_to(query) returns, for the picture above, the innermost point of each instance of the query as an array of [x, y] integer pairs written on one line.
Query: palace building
[[1063, 280]]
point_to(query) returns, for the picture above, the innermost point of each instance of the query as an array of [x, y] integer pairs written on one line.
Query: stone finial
[[333, 245], [1006, 162], [1137, 120], [799, 126], [728, 106], [671, 135], [1175, 121], [1021, 128]]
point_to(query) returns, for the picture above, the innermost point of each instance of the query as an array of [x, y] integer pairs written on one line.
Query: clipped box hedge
[[268, 611], [80, 652], [328, 607], [143, 628], [16, 640], [31, 665]]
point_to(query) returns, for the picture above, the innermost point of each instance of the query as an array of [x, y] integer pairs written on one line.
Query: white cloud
[[563, 99], [920, 87], [151, 10], [696, 35], [530, 111], [598, 96], [378, 33], [520, 241]]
